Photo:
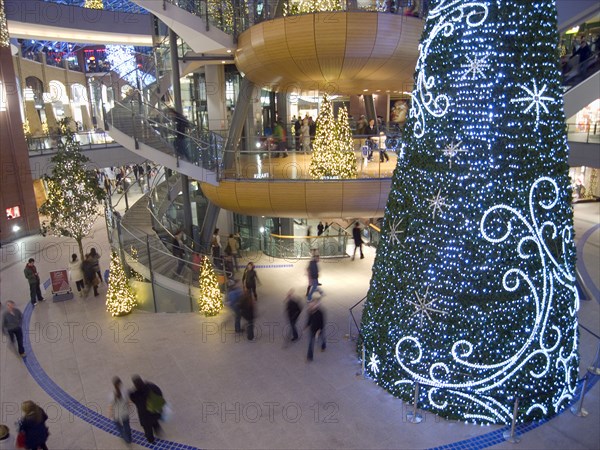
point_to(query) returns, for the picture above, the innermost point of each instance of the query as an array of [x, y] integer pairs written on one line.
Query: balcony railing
[[89, 140]]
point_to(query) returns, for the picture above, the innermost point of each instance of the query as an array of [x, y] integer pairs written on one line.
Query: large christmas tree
[[473, 289]]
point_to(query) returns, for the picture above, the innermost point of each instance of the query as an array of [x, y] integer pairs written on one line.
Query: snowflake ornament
[[438, 202], [452, 150], [395, 231], [475, 67], [423, 307], [374, 363], [535, 99]]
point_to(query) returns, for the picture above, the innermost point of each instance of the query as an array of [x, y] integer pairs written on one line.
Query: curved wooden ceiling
[[334, 52], [311, 199]]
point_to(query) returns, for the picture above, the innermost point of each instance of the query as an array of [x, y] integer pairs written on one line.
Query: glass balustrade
[[89, 140]]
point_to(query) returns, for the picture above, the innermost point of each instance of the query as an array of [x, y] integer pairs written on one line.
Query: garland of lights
[[4, 37]]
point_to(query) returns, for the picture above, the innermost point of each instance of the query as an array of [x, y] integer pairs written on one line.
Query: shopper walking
[[358, 242], [233, 249], [316, 324], [119, 411], [293, 310], [76, 273], [148, 400], [95, 259], [12, 320], [90, 275], [313, 278], [33, 424], [33, 278], [249, 280], [178, 251], [234, 301], [248, 312], [215, 244]]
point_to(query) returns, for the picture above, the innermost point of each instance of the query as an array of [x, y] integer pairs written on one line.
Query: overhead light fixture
[[228, 50], [573, 30]]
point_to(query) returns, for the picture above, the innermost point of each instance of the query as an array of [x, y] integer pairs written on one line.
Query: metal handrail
[[351, 311]]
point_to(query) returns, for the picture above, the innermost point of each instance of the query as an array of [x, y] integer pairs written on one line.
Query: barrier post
[[361, 371], [363, 361], [595, 367], [577, 409], [414, 416], [512, 436]]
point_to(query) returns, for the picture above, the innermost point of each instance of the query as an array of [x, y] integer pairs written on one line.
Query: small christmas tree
[[134, 255], [210, 301], [120, 298], [333, 153]]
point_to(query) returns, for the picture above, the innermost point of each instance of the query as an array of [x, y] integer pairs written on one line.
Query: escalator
[[142, 123], [204, 30]]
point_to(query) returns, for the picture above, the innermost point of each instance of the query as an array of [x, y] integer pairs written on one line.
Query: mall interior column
[[16, 184], [216, 105], [239, 118], [185, 183], [370, 107]]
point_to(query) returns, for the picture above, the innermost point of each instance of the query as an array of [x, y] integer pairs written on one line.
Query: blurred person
[[316, 325], [293, 310], [119, 410], [12, 321], [33, 424], [313, 278], [76, 273], [143, 396]]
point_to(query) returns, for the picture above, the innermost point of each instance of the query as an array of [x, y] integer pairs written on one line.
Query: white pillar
[[215, 97]]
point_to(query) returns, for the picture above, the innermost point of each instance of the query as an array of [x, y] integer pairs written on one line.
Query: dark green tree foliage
[[73, 192], [473, 288]]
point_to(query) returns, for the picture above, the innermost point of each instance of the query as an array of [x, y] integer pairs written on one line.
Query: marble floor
[[227, 392]]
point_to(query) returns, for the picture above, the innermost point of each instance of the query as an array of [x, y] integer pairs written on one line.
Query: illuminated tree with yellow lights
[[311, 6], [120, 298], [345, 142], [73, 191], [94, 4], [333, 154], [210, 301], [134, 255]]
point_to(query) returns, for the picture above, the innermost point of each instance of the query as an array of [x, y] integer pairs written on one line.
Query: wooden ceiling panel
[[288, 198], [335, 199], [350, 50]]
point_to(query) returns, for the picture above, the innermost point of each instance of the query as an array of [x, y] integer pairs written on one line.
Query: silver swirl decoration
[[463, 373], [446, 14]]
